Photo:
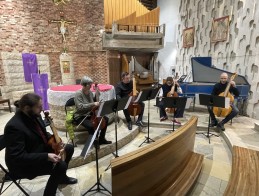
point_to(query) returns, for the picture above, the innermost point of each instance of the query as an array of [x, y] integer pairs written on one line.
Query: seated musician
[[164, 90], [123, 89], [219, 88], [85, 102], [27, 153]]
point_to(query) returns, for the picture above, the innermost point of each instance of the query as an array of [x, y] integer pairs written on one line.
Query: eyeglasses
[[88, 84]]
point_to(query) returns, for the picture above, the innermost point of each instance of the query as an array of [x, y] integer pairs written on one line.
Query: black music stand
[[174, 102], [121, 104], [214, 101], [94, 140], [148, 94], [115, 106]]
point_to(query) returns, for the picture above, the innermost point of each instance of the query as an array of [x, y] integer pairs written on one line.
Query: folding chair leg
[[74, 144], [2, 186], [14, 181]]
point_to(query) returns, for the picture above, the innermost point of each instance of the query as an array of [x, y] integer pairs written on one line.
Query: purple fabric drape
[[41, 85], [30, 65]]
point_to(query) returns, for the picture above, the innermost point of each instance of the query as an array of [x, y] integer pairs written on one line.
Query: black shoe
[[68, 180], [221, 127], [101, 142], [213, 123], [140, 124], [130, 125]]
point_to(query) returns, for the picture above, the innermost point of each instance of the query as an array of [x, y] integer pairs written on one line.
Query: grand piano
[[204, 77]]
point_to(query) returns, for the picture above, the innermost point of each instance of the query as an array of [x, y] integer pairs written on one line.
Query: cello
[[93, 113], [134, 108], [172, 93], [223, 112], [55, 141]]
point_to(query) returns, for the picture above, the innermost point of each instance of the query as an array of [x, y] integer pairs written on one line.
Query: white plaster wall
[[169, 15], [239, 53]]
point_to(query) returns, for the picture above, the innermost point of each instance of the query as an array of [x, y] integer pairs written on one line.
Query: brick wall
[[25, 28]]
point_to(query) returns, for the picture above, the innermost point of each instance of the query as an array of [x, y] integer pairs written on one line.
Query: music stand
[[148, 94], [115, 106], [174, 102], [122, 104], [214, 101], [99, 186]]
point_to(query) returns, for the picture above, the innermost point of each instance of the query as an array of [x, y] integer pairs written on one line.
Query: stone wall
[[238, 54], [25, 27], [15, 85]]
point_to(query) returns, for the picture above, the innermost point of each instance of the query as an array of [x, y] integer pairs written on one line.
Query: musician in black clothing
[[165, 89], [123, 89], [28, 154], [219, 88]]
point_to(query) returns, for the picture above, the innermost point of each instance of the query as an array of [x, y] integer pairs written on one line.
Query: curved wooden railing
[[166, 167], [244, 179]]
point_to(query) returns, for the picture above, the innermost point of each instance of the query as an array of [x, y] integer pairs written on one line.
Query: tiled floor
[[216, 167]]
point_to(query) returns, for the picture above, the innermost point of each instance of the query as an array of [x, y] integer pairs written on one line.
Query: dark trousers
[[177, 114], [90, 126], [140, 116], [57, 172], [231, 115]]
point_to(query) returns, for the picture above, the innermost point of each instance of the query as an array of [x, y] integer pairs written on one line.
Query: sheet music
[[227, 102], [100, 109], [94, 136], [127, 105], [139, 95]]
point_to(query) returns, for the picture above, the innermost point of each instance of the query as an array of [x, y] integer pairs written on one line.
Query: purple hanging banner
[[30, 66], [41, 85]]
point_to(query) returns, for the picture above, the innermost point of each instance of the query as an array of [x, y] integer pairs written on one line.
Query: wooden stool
[[8, 101]]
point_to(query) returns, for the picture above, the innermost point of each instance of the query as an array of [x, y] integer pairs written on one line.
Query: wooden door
[[114, 69]]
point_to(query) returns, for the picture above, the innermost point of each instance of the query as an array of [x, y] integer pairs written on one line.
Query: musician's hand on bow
[[96, 103], [177, 84], [53, 157], [233, 83]]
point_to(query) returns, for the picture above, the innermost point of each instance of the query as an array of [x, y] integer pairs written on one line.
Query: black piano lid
[[203, 72]]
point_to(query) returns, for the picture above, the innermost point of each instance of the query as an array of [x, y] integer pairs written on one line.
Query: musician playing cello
[[84, 101], [27, 152], [166, 89], [123, 89], [219, 88]]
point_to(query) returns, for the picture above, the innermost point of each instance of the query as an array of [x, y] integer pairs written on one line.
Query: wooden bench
[[244, 178], [6, 101], [166, 167]]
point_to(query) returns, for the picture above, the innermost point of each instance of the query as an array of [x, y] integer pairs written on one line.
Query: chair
[[70, 103], [8, 176], [6, 101]]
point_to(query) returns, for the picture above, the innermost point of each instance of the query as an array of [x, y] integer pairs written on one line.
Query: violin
[[223, 112], [171, 93], [55, 141], [134, 108]]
